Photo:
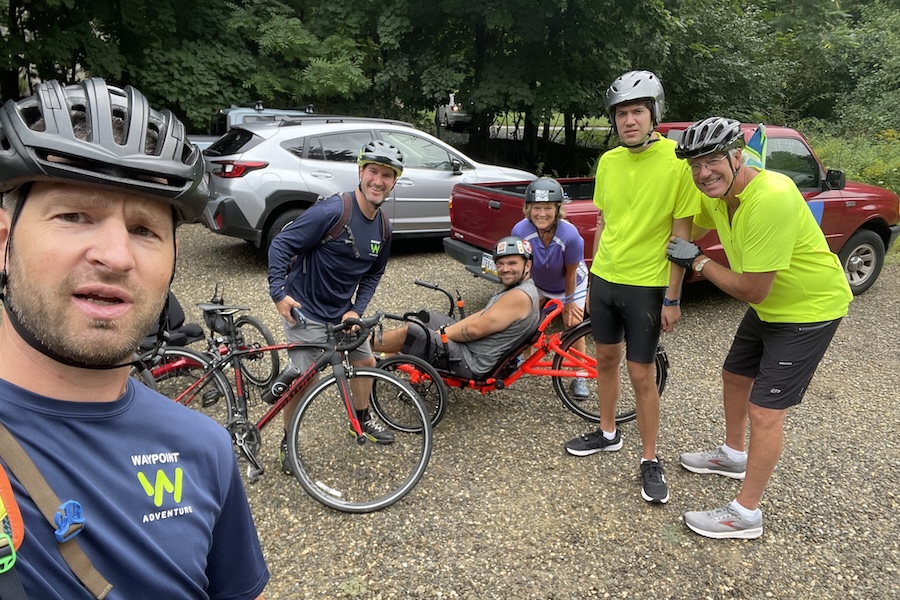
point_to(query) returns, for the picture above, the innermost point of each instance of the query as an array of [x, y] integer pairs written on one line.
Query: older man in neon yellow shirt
[[779, 263]]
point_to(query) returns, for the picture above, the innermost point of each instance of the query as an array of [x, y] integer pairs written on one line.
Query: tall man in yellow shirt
[[644, 195], [780, 263]]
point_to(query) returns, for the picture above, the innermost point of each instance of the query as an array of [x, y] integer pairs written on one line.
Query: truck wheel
[[862, 258], [281, 221]]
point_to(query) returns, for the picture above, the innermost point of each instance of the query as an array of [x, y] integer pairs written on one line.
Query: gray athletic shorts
[[314, 333]]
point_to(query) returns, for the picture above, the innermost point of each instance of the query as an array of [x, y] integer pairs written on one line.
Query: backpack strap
[[11, 535], [21, 465]]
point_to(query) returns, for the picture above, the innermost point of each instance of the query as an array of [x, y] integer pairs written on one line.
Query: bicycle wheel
[[589, 408], [180, 369], [260, 368], [339, 471], [423, 378]]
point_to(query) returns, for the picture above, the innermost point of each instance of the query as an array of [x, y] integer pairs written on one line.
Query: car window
[[341, 147], [418, 152], [218, 124], [294, 146], [231, 143], [791, 157]]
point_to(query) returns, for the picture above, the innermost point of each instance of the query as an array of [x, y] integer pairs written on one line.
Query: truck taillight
[[229, 169]]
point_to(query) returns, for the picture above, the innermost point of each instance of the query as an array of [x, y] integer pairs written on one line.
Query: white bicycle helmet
[[632, 86], [381, 153], [715, 134], [95, 133]]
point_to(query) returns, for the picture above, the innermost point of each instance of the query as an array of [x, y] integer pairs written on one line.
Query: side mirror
[[456, 166], [835, 180]]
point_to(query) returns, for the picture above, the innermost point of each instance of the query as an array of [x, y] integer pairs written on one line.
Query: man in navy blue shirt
[[332, 280], [94, 182]]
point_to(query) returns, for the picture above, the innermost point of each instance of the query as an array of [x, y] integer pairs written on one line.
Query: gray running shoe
[[713, 461], [580, 388], [375, 432], [722, 523], [593, 442]]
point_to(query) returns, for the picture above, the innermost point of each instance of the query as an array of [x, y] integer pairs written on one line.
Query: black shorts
[[627, 312], [427, 345], [781, 357]]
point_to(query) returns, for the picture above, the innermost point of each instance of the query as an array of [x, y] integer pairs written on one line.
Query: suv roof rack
[[318, 119]]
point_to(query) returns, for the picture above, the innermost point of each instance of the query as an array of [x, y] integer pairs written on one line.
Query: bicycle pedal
[[253, 473], [210, 397]]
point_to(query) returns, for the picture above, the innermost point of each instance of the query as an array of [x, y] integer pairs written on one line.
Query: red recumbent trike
[[556, 355]]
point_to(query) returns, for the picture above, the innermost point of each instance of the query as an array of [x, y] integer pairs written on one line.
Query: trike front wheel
[[574, 357]]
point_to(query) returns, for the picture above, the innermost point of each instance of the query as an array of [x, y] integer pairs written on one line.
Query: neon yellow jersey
[[774, 230], [640, 194]]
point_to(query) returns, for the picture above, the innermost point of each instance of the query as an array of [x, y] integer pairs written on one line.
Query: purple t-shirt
[[548, 268]]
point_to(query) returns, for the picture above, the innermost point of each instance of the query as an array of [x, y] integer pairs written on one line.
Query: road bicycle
[[328, 451], [556, 355]]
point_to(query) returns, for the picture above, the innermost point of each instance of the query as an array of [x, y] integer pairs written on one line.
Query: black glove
[[682, 252]]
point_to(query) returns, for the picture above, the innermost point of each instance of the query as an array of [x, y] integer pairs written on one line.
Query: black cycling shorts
[[627, 312], [781, 357]]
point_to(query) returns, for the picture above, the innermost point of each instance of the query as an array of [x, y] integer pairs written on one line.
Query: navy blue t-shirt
[[325, 277], [165, 513]]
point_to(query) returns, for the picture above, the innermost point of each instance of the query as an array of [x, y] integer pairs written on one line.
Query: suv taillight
[[229, 169]]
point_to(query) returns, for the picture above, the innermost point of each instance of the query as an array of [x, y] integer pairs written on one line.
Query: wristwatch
[[667, 302], [699, 266]]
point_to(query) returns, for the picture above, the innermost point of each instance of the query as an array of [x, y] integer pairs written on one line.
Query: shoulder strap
[[31, 479], [342, 222]]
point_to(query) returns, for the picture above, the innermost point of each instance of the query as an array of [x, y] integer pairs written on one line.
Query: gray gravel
[[504, 512]]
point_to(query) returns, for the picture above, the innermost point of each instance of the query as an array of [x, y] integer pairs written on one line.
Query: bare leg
[[766, 444], [609, 359], [390, 342], [736, 395], [646, 397]]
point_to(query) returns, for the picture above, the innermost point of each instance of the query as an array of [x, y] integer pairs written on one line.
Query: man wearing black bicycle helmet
[[477, 343], [780, 264], [328, 263], [644, 195], [94, 182]]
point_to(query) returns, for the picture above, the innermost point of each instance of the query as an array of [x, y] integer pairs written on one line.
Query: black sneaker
[[283, 457], [375, 432], [653, 482], [591, 443]]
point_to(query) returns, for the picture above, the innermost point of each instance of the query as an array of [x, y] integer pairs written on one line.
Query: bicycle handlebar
[[365, 324]]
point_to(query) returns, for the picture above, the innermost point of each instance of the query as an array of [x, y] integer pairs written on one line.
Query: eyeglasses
[[709, 163]]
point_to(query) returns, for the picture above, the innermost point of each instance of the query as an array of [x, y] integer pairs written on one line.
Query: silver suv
[[264, 175]]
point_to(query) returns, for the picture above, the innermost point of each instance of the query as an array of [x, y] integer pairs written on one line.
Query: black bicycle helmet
[[633, 86], [715, 134], [512, 246], [381, 153], [545, 189], [99, 134]]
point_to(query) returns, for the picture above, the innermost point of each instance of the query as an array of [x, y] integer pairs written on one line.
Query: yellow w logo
[[162, 485]]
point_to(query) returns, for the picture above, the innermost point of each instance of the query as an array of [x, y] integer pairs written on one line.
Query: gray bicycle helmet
[[512, 246], [381, 153], [545, 189], [715, 134], [100, 134], [632, 86]]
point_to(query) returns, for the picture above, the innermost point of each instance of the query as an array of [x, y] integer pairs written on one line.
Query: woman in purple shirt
[[558, 268]]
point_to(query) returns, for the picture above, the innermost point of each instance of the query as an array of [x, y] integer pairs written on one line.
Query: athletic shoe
[[725, 522], [653, 482], [375, 432], [580, 388], [283, 457], [591, 443], [714, 461]]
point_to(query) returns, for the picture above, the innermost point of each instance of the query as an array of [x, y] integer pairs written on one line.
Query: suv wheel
[[862, 258], [280, 222]]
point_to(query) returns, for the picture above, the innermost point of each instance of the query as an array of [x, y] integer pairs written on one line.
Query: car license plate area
[[487, 264]]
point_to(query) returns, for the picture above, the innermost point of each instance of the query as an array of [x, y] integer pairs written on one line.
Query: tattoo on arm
[[464, 333]]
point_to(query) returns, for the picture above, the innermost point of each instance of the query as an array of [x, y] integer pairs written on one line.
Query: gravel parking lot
[[504, 512]]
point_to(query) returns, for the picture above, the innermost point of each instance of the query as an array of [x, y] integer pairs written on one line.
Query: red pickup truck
[[860, 221]]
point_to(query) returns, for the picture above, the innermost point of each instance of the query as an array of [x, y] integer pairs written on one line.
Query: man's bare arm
[[512, 306]]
